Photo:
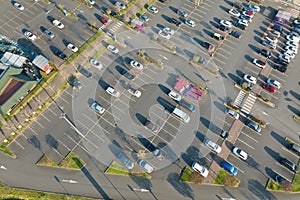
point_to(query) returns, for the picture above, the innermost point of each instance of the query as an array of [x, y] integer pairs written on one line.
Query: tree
[[196, 58], [108, 11]]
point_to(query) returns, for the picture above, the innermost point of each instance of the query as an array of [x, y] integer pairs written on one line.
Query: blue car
[[228, 167]]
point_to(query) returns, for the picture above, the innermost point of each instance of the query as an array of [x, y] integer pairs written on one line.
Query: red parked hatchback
[[104, 20], [269, 88]]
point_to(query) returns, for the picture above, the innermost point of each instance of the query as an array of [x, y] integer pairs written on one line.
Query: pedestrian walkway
[[234, 132], [240, 98], [248, 104], [116, 26]]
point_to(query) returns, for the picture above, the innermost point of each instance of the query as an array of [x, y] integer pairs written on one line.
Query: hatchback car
[[125, 73], [144, 18], [280, 68], [49, 33], [175, 21], [235, 34], [226, 23], [272, 39], [278, 28], [18, 6], [60, 54], [104, 20], [293, 38], [187, 105], [291, 48], [270, 88], [253, 125], [240, 153], [289, 164], [269, 44], [164, 34], [224, 134], [30, 35], [125, 160], [97, 108], [134, 92], [200, 169], [250, 79], [259, 63], [228, 167], [232, 113], [158, 153], [72, 47], [274, 33], [58, 24], [213, 146], [218, 36], [95, 63], [153, 9], [151, 126], [120, 5], [190, 22], [234, 12], [182, 13], [265, 53], [84, 72], [168, 30], [113, 92], [254, 7], [112, 48], [145, 165], [284, 57], [292, 43], [243, 22], [136, 65], [174, 95], [282, 62]]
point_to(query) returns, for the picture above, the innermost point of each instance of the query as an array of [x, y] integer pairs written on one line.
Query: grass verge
[[272, 185], [296, 183], [189, 175], [72, 161], [226, 179], [116, 169], [12, 193]]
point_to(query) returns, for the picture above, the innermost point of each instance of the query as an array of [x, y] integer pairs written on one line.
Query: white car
[[292, 43], [112, 48], [168, 30], [95, 63], [243, 22], [30, 35], [226, 23], [134, 92], [152, 9], [49, 33], [296, 21], [18, 6], [293, 38], [254, 7], [174, 95], [290, 54], [274, 33], [58, 24], [113, 92], [213, 146], [234, 13], [240, 153], [164, 34], [250, 79], [271, 39], [72, 47], [200, 169], [190, 23], [136, 65], [232, 113], [121, 5], [248, 13], [284, 57], [259, 63], [97, 108], [274, 83], [92, 2], [291, 48]]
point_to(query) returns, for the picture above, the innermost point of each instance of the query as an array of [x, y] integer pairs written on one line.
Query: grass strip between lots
[[116, 169]]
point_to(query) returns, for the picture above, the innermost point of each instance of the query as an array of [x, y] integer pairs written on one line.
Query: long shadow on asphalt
[[257, 39], [259, 190], [164, 89], [146, 143], [191, 155], [219, 105], [247, 57], [254, 48], [224, 8], [294, 94], [182, 187], [166, 104], [270, 172], [210, 125], [141, 118], [260, 34], [173, 9], [275, 155], [293, 110], [280, 139], [234, 77], [167, 152], [230, 3], [200, 136], [207, 32]]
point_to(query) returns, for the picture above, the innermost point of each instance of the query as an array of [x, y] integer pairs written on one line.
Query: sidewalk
[[31, 108], [215, 166]]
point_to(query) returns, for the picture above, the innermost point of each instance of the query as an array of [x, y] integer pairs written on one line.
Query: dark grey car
[[84, 71], [187, 105]]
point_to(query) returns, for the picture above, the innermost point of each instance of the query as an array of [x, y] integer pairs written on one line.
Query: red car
[[104, 20], [269, 88]]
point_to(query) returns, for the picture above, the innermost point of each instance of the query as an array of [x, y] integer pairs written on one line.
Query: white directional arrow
[[2, 167], [69, 181]]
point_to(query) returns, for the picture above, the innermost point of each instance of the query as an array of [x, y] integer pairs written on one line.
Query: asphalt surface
[[54, 136]]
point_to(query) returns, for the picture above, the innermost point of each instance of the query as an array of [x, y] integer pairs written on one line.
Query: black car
[[265, 53], [60, 54], [279, 179], [280, 68], [125, 73], [223, 28], [163, 1], [289, 164], [241, 26], [235, 34], [282, 62], [175, 21], [113, 13], [84, 71], [187, 105], [224, 134], [73, 81], [278, 28]]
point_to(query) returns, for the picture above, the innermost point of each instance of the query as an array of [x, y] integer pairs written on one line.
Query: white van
[[181, 115]]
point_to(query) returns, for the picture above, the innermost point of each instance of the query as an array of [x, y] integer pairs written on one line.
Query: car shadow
[[257, 39], [224, 8], [211, 126], [146, 143], [97, 16], [270, 172], [233, 77], [275, 155], [141, 118], [191, 155], [164, 89], [165, 17], [254, 48], [200, 136], [103, 84], [173, 9], [219, 105], [168, 106], [293, 110], [247, 57], [160, 26], [209, 33], [260, 34], [294, 94]]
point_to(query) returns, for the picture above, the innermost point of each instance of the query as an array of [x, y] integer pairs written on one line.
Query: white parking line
[[250, 137], [63, 144], [219, 61], [18, 144], [253, 131], [33, 131], [277, 78], [254, 72], [245, 143], [228, 46], [269, 94], [41, 114], [76, 144], [36, 121], [225, 57], [281, 175], [55, 150], [284, 168], [290, 152]]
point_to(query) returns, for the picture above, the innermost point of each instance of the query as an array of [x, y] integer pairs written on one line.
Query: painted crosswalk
[[248, 104], [116, 27], [240, 98]]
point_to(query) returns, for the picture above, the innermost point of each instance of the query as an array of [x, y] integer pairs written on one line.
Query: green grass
[[291, 141], [185, 176], [226, 179], [72, 161], [12, 193], [115, 168], [296, 118], [272, 185], [1, 124], [296, 183]]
